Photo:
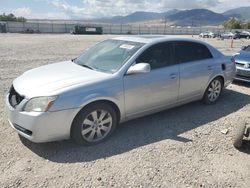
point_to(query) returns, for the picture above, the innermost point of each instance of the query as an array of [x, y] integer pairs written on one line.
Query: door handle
[[209, 67], [173, 76]]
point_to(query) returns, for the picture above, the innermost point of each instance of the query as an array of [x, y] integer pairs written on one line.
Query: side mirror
[[139, 68], [243, 47]]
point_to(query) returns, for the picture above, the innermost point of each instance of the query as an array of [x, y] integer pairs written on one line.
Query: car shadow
[[245, 148], [168, 124], [241, 83]]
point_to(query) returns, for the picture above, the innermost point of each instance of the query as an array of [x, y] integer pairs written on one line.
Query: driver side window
[[158, 56]]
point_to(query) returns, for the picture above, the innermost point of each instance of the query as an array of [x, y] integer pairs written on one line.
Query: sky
[[89, 9]]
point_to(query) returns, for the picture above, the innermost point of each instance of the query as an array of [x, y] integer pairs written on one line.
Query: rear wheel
[[213, 91], [94, 124]]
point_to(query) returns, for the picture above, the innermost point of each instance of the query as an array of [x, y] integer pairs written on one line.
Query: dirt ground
[[181, 147]]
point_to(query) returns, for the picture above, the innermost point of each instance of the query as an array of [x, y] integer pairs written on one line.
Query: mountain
[[170, 12], [241, 13], [139, 16], [193, 17], [197, 17]]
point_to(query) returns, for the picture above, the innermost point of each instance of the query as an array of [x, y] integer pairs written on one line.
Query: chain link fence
[[51, 27]]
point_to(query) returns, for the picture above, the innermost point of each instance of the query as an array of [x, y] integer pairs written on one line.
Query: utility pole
[[165, 20]]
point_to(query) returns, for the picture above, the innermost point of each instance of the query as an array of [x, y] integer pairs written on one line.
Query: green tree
[[11, 17], [233, 23], [247, 25]]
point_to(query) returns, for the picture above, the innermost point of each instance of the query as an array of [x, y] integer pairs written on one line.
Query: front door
[[158, 88]]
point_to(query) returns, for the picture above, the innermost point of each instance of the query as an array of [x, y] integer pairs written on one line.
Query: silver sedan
[[242, 61], [114, 81]]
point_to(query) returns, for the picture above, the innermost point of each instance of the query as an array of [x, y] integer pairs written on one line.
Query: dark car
[[245, 34], [84, 30], [242, 61]]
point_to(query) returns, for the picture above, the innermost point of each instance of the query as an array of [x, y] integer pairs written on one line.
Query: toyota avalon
[[114, 81]]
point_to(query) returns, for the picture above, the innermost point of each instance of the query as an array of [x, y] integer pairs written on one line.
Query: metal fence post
[[7, 27]]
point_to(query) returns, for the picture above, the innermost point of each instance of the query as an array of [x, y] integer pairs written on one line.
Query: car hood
[[243, 57], [50, 79]]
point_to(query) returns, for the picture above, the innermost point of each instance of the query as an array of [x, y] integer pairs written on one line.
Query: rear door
[[196, 67]]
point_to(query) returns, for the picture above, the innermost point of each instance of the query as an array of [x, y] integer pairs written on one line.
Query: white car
[[207, 35]]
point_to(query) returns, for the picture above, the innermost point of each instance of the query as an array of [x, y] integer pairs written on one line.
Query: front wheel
[[94, 124], [213, 91]]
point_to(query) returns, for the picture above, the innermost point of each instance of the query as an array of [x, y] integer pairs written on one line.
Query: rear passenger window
[[158, 56], [191, 51]]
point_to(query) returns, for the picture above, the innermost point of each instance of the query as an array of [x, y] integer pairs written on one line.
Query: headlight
[[39, 104]]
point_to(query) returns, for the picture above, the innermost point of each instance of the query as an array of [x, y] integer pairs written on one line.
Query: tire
[[239, 134], [94, 124], [213, 91]]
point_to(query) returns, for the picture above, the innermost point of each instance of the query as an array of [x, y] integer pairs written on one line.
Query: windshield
[[109, 55]]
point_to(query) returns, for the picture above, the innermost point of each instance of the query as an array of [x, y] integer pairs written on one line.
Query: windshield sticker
[[127, 46]]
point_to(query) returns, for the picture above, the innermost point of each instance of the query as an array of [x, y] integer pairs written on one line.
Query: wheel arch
[[212, 78], [97, 101], [217, 76]]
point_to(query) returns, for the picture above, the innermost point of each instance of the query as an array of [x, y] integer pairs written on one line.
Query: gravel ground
[[181, 147]]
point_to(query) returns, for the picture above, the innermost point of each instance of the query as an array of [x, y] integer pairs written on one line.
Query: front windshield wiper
[[87, 66]]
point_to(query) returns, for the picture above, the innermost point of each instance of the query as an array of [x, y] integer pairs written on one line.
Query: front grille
[[243, 72], [26, 131], [240, 65], [14, 97]]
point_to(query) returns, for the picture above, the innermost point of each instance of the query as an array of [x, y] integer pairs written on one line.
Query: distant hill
[[241, 13], [171, 12], [197, 17], [139, 16], [194, 17]]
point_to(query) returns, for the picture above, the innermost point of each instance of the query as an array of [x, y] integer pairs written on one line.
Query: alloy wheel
[[214, 90], [96, 125]]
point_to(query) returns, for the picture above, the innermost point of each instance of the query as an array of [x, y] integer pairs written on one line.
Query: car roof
[[155, 38], [141, 38]]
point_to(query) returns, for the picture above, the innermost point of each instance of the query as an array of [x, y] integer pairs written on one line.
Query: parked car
[[240, 131], [208, 35], [242, 61], [116, 80], [245, 34], [230, 35]]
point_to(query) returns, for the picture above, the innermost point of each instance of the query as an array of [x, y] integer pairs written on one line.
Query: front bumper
[[242, 74], [41, 126]]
